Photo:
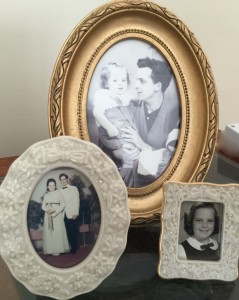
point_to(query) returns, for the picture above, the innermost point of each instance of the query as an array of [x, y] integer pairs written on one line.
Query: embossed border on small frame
[[226, 267], [149, 22], [16, 189]]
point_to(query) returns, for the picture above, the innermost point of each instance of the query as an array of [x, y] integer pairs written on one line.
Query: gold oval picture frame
[[122, 33]]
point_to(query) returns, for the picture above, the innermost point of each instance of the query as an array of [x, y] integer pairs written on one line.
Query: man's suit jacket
[[72, 200]]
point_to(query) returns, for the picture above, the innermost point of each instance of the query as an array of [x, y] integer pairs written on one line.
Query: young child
[[111, 112], [113, 93], [201, 223]]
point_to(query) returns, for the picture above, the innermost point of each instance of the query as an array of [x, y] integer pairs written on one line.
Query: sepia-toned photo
[[63, 217], [133, 110], [200, 231]]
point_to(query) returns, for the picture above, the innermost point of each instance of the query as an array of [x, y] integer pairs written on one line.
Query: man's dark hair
[[188, 218], [63, 174], [160, 71]]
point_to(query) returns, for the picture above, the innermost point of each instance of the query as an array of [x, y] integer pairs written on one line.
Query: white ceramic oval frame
[[15, 192]]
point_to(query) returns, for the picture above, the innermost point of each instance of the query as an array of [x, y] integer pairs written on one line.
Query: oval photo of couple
[[63, 217], [133, 110]]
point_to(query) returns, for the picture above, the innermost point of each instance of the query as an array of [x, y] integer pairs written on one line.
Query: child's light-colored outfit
[[117, 113]]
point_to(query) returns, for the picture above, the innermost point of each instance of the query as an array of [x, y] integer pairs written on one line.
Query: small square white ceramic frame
[[226, 268]]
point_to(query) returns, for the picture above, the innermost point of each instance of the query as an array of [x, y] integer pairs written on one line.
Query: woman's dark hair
[[48, 181], [188, 218]]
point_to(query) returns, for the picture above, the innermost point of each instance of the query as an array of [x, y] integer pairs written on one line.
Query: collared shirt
[[150, 117], [196, 245]]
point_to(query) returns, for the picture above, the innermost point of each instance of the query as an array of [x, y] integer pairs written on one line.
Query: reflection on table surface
[[135, 276]]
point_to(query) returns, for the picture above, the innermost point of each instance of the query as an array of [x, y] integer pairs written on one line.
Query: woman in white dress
[[54, 232]]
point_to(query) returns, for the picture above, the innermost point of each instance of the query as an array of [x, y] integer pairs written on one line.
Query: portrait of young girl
[[114, 80], [199, 237]]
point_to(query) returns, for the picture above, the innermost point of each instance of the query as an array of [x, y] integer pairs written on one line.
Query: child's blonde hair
[[106, 71]]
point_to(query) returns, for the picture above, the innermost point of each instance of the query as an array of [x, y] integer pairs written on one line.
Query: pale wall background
[[33, 32]]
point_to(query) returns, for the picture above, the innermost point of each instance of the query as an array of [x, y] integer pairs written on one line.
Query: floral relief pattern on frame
[[226, 268], [15, 192]]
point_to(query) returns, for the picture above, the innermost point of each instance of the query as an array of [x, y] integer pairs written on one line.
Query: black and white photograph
[[199, 235], [63, 217], [133, 110], [200, 230], [133, 79]]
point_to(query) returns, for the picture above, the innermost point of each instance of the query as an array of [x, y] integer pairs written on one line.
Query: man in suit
[[72, 200]]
